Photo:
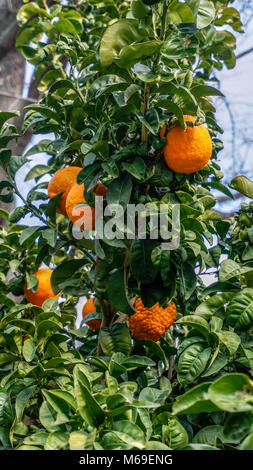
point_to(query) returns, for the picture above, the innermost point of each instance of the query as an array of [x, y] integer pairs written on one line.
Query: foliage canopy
[[111, 73]]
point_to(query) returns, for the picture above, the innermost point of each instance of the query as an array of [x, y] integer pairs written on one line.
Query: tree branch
[[244, 53]]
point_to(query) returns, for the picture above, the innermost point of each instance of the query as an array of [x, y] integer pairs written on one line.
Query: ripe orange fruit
[[83, 216], [63, 180], [187, 151], [89, 307], [44, 290], [151, 323]]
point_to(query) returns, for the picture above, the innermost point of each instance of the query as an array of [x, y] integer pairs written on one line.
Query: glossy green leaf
[[192, 362], [117, 294], [230, 339], [174, 434], [239, 313], [118, 35], [140, 260], [115, 339], [243, 185], [119, 191], [232, 392], [196, 322], [194, 401]]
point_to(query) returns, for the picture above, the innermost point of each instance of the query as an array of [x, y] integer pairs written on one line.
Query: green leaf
[[47, 416], [188, 280], [117, 294], [150, 120], [37, 171], [133, 362], [219, 287], [115, 339], [176, 48], [8, 191], [232, 393], [6, 115], [209, 435], [156, 445], [196, 322], [228, 270], [230, 339], [88, 407], [106, 83], [82, 441], [239, 313], [211, 306], [175, 109], [247, 444], [129, 433], [138, 9], [29, 349], [192, 362], [180, 13], [216, 366], [56, 440], [17, 214], [61, 84], [52, 206], [238, 425], [232, 17], [22, 398], [152, 394], [203, 12], [119, 191], [205, 90], [44, 145], [64, 272], [118, 35], [144, 73], [137, 168], [129, 55], [174, 434], [50, 235], [61, 395], [65, 26], [30, 9], [194, 401], [141, 263], [38, 438], [27, 233], [243, 185], [199, 447]]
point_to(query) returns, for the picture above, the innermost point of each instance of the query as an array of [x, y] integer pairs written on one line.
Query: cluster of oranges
[[65, 181], [185, 151], [44, 292], [151, 323], [145, 324]]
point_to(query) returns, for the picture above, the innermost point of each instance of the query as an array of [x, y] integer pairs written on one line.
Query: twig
[[244, 53], [144, 131]]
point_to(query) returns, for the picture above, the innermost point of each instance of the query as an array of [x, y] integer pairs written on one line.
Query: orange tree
[[125, 96]]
